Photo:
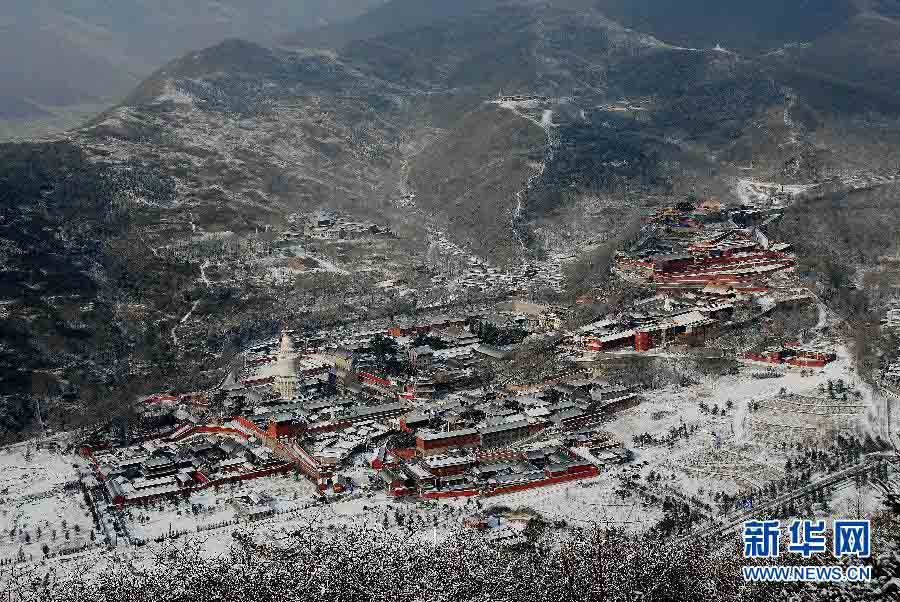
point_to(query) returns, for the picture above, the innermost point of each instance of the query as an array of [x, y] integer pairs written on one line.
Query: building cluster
[[423, 399], [189, 459], [793, 354], [645, 330], [466, 446], [485, 474], [707, 275], [453, 267], [463, 422], [329, 225], [411, 389], [689, 258], [678, 319]]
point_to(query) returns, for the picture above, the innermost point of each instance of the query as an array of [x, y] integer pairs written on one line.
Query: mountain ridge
[[92, 52]]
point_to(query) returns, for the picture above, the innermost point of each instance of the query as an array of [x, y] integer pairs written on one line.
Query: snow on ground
[[672, 409], [547, 119], [720, 452], [753, 192], [36, 509], [586, 503], [854, 500], [165, 516], [518, 105]]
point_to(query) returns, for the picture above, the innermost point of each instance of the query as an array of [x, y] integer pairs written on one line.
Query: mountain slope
[[735, 24], [743, 26], [471, 177], [277, 127], [533, 48], [95, 51], [222, 148], [391, 17], [855, 67], [73, 272]]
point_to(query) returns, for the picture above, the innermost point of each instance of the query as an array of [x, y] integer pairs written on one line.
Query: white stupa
[[286, 369]]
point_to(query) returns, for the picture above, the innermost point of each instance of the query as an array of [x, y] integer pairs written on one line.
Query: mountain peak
[[231, 55]]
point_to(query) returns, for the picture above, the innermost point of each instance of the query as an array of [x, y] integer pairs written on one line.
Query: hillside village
[[716, 387]]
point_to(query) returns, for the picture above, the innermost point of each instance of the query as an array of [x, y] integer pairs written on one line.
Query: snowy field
[[38, 511], [711, 452]]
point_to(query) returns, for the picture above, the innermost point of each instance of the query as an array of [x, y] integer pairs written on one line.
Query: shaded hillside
[[735, 24], [70, 260], [854, 68], [535, 49], [840, 239], [841, 52], [708, 96], [485, 51], [391, 17], [606, 156], [837, 235], [471, 176]]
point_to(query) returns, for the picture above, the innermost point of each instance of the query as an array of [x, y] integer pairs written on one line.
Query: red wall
[[244, 422], [210, 429], [590, 472], [447, 442], [433, 495], [642, 341]]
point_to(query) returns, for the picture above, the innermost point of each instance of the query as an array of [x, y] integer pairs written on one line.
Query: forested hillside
[[82, 296]]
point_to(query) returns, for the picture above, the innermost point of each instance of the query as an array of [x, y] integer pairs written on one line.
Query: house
[[503, 434], [476, 521], [341, 484], [445, 466], [261, 456], [793, 354], [285, 424], [430, 443], [236, 464], [158, 467], [413, 421], [115, 492], [344, 362], [395, 482], [378, 412], [423, 478], [421, 358], [232, 447], [709, 205], [665, 264], [810, 357], [379, 458]]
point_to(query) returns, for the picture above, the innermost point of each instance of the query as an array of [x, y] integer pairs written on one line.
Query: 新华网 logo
[[807, 538]]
